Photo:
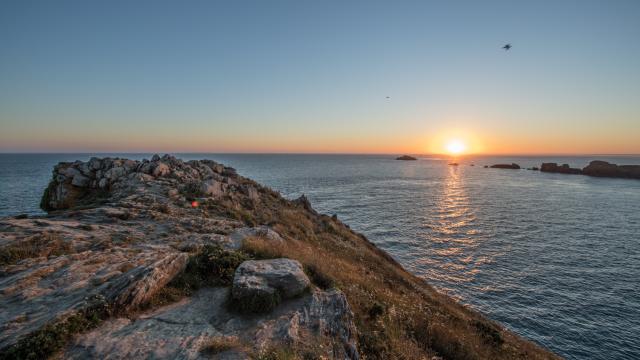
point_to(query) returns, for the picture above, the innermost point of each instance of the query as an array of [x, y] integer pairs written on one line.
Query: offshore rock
[[406, 158], [506, 166], [564, 169], [605, 169]]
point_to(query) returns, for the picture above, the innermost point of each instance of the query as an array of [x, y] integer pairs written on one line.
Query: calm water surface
[[555, 258]]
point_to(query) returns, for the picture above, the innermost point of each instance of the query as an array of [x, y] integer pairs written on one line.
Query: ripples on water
[[554, 257]]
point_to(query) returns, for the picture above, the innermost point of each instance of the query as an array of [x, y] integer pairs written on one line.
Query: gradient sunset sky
[[314, 76]]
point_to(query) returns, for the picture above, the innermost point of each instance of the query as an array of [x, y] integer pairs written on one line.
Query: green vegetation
[[211, 266], [46, 341]]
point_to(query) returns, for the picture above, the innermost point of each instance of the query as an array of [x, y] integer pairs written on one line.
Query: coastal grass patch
[[218, 344], [46, 341], [39, 245], [211, 266], [397, 314]]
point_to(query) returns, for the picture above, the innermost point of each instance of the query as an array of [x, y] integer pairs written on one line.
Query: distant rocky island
[[596, 168], [406, 157], [172, 259], [506, 166]]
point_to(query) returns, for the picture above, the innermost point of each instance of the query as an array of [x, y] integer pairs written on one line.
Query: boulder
[[506, 166], [259, 285], [237, 237], [212, 187], [605, 169], [161, 169]]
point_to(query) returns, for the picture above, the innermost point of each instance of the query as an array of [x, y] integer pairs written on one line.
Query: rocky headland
[[169, 259]]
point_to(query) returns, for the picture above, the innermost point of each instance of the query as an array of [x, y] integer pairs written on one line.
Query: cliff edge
[[164, 258]]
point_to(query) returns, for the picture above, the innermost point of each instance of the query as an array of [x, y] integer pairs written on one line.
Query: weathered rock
[[564, 169], [605, 169], [506, 166], [259, 285], [239, 235], [161, 169], [212, 188], [80, 181], [182, 330]]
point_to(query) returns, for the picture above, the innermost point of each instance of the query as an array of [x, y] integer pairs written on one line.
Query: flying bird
[[388, 97], [507, 47]]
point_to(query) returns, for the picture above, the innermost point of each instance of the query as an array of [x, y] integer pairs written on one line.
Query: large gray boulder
[[259, 285]]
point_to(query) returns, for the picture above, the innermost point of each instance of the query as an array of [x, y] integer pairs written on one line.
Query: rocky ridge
[[125, 229], [150, 259]]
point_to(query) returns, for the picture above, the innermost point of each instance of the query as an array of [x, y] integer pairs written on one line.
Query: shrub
[[212, 266], [318, 277], [220, 344]]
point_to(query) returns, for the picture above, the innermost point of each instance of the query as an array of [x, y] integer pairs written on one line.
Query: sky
[[314, 76]]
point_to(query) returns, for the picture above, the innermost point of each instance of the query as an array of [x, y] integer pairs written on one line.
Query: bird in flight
[[388, 97], [507, 47]]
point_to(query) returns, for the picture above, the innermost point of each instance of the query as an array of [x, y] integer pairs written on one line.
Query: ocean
[[552, 257]]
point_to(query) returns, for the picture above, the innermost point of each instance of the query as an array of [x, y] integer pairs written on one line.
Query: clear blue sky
[[303, 76]]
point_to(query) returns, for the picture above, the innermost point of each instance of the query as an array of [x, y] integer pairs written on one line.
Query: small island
[[406, 158], [596, 168], [506, 166]]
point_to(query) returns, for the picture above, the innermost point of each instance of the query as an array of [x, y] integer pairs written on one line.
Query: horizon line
[[302, 153]]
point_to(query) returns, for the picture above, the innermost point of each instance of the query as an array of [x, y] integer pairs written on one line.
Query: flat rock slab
[[50, 289], [181, 330]]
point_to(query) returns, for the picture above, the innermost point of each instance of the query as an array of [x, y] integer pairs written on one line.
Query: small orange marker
[[194, 204]]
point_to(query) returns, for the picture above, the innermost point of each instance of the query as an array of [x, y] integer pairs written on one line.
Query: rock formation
[[505, 166], [605, 169], [118, 232], [564, 169], [406, 157]]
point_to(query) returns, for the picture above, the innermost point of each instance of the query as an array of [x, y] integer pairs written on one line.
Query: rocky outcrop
[[79, 183], [564, 169], [185, 329], [506, 166], [605, 169], [406, 157], [260, 285], [119, 231]]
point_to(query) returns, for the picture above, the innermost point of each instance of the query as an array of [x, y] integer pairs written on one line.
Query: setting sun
[[456, 147]]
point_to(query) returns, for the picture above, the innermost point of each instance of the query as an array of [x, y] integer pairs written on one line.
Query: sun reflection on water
[[453, 234]]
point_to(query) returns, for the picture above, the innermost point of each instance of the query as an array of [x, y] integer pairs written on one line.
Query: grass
[[397, 314], [45, 244], [51, 338], [212, 266], [218, 344]]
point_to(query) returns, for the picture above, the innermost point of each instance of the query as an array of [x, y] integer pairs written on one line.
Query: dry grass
[[45, 244], [218, 344], [398, 315]]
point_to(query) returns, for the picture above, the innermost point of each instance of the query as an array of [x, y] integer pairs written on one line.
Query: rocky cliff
[[169, 259]]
